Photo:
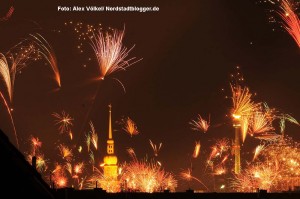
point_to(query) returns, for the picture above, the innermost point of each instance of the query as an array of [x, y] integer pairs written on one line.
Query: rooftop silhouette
[[18, 177]]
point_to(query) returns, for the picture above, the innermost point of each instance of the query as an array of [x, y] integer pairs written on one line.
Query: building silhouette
[[18, 177]]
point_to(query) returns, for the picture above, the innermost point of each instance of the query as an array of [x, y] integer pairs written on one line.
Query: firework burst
[[94, 136], [110, 52], [61, 181], [130, 127], [78, 168], [155, 148], [200, 124], [41, 163], [145, 176], [64, 121], [223, 145], [65, 152], [261, 123], [20, 56], [221, 170], [277, 168], [57, 168], [83, 32], [261, 175], [242, 102], [36, 144]]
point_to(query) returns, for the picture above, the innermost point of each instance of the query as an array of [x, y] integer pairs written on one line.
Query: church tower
[[110, 160]]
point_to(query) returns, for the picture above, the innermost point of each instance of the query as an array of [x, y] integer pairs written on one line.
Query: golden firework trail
[[258, 150], [68, 167], [71, 135], [224, 159], [187, 175], [8, 14], [11, 118], [94, 136], [88, 141], [220, 170], [213, 153], [81, 183], [45, 49], [155, 148], [268, 136], [5, 75], [92, 158], [132, 154], [63, 120], [200, 124], [244, 121], [19, 56], [18, 60], [80, 149], [283, 118], [110, 52], [159, 163], [197, 149], [291, 22], [130, 127]]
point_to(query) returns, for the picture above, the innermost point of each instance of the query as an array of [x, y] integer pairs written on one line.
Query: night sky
[[189, 49]]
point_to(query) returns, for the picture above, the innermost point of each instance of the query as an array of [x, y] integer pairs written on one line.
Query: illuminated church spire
[[110, 160], [109, 124], [110, 141]]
